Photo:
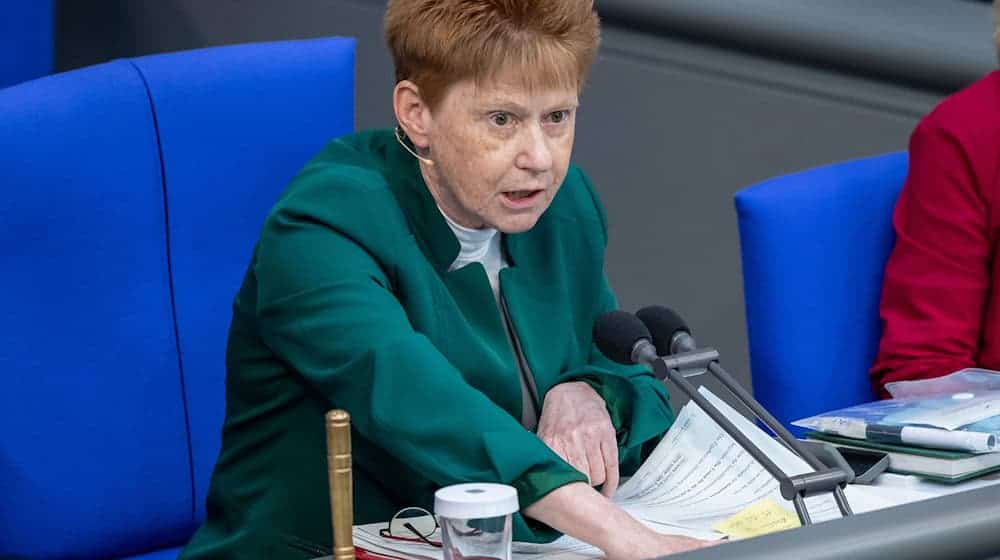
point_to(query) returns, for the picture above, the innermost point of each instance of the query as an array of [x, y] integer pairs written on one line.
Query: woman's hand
[[653, 545], [576, 425], [579, 511]]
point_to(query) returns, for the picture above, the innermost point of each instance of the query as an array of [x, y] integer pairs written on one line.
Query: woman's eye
[[500, 119]]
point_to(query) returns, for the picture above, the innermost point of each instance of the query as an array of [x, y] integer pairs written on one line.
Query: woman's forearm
[[582, 512]]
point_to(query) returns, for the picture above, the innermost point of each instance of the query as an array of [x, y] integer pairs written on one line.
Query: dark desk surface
[[963, 526]]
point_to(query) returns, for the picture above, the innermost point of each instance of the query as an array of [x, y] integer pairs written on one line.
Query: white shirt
[[481, 246]]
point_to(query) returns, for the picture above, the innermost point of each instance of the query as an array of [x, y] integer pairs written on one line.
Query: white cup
[[476, 520]]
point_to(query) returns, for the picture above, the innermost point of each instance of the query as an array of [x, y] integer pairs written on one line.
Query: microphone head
[[616, 333], [663, 323]]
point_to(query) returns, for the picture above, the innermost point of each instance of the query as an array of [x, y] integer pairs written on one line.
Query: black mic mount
[[685, 360]]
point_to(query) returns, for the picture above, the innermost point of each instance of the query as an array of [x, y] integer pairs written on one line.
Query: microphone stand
[[794, 488]]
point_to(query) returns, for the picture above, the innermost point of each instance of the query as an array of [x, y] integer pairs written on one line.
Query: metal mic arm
[[695, 361], [793, 488]]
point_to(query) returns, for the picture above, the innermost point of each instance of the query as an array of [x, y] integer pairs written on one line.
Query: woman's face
[[500, 152]]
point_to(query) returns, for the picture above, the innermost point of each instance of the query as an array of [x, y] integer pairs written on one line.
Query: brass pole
[[338, 461]]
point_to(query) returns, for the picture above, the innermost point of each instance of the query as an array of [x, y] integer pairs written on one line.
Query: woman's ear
[[412, 114]]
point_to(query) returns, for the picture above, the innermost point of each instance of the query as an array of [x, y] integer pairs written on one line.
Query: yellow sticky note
[[759, 519]]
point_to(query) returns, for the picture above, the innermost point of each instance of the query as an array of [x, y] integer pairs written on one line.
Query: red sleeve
[[937, 277]]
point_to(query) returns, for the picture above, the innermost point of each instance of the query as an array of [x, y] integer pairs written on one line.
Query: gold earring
[[402, 142]]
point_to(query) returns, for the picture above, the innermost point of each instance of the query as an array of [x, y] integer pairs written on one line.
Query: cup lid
[[476, 500]]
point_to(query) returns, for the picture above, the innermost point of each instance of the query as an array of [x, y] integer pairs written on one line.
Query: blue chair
[[133, 192], [233, 129], [26, 40], [814, 245]]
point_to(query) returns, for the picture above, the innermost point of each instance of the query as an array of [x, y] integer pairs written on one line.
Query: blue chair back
[[814, 245], [26, 40], [132, 194], [94, 449], [234, 129]]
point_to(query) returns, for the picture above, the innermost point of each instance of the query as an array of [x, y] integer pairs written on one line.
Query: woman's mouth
[[522, 198]]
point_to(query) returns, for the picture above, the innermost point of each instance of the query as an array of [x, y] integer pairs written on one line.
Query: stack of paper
[[565, 548], [935, 464], [947, 436], [696, 477]]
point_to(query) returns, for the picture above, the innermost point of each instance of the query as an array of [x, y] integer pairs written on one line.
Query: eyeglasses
[[412, 524]]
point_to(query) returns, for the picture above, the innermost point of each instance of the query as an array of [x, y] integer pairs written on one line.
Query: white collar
[[475, 243]]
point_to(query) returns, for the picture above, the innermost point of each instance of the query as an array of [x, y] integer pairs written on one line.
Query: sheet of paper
[[759, 519], [698, 475], [949, 412], [565, 548], [368, 537]]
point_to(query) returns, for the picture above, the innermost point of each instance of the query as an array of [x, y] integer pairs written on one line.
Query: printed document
[[696, 477]]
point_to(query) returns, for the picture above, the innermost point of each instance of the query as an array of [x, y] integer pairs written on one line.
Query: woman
[[439, 282], [940, 305]]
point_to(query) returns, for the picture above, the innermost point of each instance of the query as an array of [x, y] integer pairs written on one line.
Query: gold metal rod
[[338, 457]]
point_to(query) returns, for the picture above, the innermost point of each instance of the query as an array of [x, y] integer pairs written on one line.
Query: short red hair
[[546, 43]]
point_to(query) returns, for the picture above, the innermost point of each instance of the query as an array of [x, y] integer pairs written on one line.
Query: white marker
[[917, 436]]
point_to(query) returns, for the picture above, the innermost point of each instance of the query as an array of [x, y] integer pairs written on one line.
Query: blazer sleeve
[[637, 402], [325, 307], [937, 276]]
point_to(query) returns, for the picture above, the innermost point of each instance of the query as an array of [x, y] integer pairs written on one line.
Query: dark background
[[689, 101]]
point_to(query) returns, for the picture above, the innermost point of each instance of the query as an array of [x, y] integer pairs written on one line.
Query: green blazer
[[348, 303]]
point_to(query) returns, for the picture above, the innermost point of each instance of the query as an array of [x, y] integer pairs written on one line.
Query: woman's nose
[[536, 154]]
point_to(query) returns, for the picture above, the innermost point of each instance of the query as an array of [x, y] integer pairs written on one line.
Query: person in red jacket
[[940, 307]]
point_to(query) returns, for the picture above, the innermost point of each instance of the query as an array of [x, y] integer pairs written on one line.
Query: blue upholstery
[[814, 245], [132, 193], [227, 155], [26, 40], [89, 359], [164, 554]]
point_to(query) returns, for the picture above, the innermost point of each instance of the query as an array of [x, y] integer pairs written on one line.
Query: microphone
[[619, 335], [671, 334], [399, 138], [626, 339]]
